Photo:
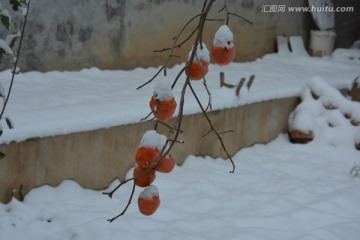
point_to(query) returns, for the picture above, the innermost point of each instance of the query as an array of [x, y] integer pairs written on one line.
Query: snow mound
[[151, 139], [224, 37], [163, 90], [326, 113], [345, 54]]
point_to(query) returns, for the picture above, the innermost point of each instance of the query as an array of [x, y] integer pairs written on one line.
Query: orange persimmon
[[166, 164], [162, 110], [146, 157], [143, 178], [222, 55], [198, 69], [149, 201]]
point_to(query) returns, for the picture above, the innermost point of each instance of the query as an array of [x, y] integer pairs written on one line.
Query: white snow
[[5, 47], [53, 103], [279, 190], [202, 53], [152, 139], [224, 37], [149, 192], [162, 89], [325, 116]]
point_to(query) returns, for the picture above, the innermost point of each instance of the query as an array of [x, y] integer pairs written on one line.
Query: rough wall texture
[[120, 34], [95, 158]]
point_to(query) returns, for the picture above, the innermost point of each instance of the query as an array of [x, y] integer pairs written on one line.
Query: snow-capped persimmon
[[149, 201], [223, 50], [222, 55], [198, 70], [166, 164], [162, 103], [146, 157], [162, 110], [200, 64], [143, 177]]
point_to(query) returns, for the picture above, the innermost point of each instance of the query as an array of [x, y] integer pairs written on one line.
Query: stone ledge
[[95, 158]]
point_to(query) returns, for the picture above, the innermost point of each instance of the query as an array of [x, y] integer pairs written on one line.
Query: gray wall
[[120, 34]]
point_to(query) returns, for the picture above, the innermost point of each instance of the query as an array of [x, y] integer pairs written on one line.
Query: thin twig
[[157, 73], [248, 21], [147, 116], [228, 13], [177, 38], [180, 44], [127, 205], [168, 126], [177, 77], [209, 105], [213, 128], [228, 131]]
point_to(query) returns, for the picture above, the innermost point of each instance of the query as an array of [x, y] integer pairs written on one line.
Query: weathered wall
[[95, 158], [120, 34], [347, 23]]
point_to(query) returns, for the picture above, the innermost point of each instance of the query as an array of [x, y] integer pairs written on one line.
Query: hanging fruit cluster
[[163, 105], [222, 52], [149, 160]]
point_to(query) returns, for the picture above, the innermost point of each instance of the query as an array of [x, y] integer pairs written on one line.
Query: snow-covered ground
[[279, 190], [52, 103]]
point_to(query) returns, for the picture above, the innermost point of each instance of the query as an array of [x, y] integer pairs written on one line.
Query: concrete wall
[[96, 158], [120, 34]]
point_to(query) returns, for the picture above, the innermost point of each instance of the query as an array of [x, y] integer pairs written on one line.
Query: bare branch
[[127, 205], [168, 126], [147, 116], [177, 77], [180, 44], [158, 72], [213, 128], [248, 21], [177, 38]]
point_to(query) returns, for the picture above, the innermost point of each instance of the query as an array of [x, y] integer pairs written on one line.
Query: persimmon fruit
[[166, 165], [162, 110], [146, 157], [149, 201], [143, 177], [222, 55], [198, 69]]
